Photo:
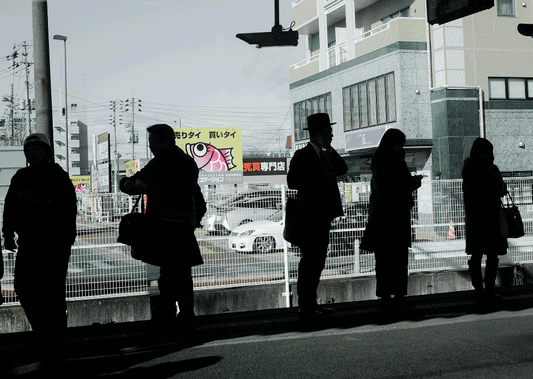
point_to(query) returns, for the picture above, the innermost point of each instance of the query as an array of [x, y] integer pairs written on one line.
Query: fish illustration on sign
[[210, 158]]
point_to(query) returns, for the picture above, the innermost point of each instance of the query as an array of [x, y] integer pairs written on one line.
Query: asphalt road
[[440, 336]]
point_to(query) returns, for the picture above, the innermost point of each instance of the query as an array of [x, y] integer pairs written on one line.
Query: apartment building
[[374, 65], [77, 146]]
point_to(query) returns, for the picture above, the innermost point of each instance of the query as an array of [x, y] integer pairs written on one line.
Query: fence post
[[287, 292]]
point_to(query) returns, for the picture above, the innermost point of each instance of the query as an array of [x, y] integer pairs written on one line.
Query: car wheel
[[264, 245], [245, 222]]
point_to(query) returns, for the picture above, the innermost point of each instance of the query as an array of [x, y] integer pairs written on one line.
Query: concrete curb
[[263, 297]]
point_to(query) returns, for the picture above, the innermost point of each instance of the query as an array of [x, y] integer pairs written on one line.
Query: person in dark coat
[[41, 208], [483, 186], [170, 181], [313, 172], [388, 232]]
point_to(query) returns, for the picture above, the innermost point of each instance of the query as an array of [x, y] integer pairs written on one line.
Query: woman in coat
[[388, 233], [483, 187]]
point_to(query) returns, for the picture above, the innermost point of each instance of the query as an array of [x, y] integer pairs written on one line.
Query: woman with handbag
[[483, 187]]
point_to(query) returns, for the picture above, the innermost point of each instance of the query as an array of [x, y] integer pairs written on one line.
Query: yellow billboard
[[216, 151], [82, 183], [132, 167]]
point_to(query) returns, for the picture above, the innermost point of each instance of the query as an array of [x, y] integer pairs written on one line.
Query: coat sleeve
[[10, 209], [339, 165], [70, 208], [143, 174], [484, 183], [394, 184]]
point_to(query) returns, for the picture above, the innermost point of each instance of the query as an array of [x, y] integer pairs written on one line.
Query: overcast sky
[[181, 58]]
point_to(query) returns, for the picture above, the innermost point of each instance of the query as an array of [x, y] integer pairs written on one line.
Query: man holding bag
[[170, 180], [313, 172]]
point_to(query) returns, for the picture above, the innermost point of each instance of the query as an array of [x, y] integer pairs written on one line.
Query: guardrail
[[242, 243]]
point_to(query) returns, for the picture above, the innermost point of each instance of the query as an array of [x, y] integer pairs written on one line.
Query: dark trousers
[[392, 271], [314, 254], [175, 285], [40, 274]]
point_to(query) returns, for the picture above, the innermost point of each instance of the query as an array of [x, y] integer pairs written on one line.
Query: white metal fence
[[242, 244]]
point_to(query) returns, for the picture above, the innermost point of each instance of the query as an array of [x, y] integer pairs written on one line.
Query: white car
[[260, 236], [241, 212]]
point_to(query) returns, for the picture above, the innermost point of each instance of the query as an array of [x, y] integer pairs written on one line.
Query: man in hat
[[40, 207], [313, 172]]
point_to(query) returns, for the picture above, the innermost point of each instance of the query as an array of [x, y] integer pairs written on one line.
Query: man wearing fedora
[[313, 172]]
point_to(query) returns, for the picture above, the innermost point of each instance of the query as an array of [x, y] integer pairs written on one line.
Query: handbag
[[511, 225], [294, 229], [134, 230]]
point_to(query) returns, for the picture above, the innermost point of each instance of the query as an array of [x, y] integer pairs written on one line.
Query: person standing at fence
[[388, 232], [40, 207], [483, 187], [170, 181], [313, 172]]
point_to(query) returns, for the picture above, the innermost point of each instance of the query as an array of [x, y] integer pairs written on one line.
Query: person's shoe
[[386, 302], [325, 311], [310, 314], [401, 302], [492, 297], [480, 296]]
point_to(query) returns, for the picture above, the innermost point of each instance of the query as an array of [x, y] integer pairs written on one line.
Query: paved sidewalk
[[440, 336]]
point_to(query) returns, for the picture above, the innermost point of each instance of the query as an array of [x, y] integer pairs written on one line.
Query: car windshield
[[276, 217]]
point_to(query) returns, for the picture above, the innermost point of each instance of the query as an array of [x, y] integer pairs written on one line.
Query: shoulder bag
[[294, 229], [511, 225], [134, 230]]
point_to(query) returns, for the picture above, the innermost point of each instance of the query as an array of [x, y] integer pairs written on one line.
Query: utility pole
[[12, 116], [133, 138], [43, 91], [113, 119], [28, 102]]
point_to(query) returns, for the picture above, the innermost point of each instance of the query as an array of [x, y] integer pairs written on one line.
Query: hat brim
[[333, 123]]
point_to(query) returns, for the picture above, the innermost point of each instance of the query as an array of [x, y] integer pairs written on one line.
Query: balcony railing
[[337, 54], [396, 30]]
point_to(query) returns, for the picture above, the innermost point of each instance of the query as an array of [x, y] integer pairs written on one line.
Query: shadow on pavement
[[115, 349]]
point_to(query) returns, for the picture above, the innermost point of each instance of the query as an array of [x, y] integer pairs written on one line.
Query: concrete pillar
[[43, 93], [350, 28], [323, 63], [455, 119]]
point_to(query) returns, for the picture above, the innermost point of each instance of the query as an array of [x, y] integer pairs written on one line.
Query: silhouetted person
[[40, 207], [483, 186], [313, 172], [388, 232], [170, 180]]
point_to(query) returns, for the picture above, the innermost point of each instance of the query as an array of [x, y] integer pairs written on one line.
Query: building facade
[[374, 65], [78, 146]]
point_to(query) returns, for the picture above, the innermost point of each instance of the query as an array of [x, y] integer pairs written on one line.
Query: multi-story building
[[77, 146], [374, 65]]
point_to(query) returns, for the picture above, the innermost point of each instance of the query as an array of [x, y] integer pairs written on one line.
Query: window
[[403, 13], [517, 88], [497, 89], [369, 103], [363, 110], [505, 8], [347, 108], [303, 109], [510, 89], [382, 107], [372, 103], [391, 98]]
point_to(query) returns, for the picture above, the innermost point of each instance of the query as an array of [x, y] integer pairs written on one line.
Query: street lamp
[[64, 39]]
